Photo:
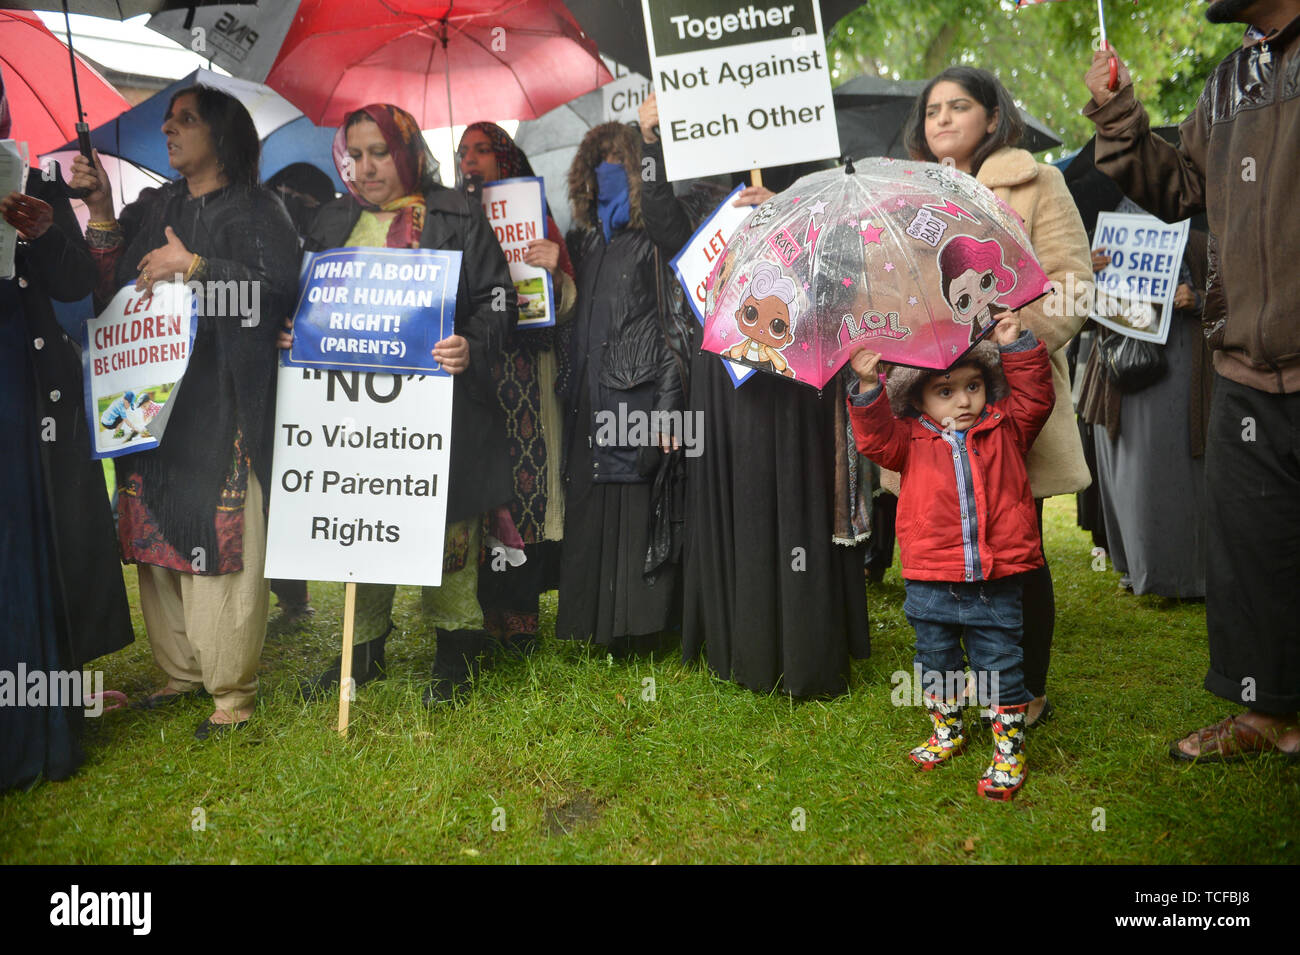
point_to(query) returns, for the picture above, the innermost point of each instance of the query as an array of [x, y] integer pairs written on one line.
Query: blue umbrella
[[287, 136]]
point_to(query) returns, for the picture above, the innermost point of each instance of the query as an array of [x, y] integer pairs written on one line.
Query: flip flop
[[1232, 741]]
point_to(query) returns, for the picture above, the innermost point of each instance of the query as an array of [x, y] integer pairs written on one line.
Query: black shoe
[[460, 657], [520, 644], [210, 730], [159, 700], [367, 665]]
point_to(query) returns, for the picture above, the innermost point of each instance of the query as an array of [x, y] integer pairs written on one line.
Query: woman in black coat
[[622, 370], [65, 603]]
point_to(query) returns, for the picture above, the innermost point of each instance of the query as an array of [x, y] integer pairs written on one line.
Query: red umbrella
[[505, 59], [42, 101]]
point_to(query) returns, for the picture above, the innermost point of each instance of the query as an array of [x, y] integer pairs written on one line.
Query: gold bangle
[[104, 225], [194, 264]]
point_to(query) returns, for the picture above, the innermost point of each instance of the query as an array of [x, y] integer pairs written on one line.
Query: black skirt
[[604, 596], [767, 597]]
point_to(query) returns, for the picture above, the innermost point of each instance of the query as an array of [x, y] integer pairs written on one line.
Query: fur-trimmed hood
[[902, 381], [582, 173]]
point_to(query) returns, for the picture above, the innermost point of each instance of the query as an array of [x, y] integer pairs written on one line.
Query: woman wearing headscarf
[[191, 512], [396, 202], [773, 596], [525, 376], [64, 599], [623, 369]]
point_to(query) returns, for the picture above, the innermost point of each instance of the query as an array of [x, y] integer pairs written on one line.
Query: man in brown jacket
[[1239, 162]]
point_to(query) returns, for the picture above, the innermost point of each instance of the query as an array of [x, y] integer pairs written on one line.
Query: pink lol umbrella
[[915, 260]]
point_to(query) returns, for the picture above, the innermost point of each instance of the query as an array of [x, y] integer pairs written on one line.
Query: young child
[[966, 525]]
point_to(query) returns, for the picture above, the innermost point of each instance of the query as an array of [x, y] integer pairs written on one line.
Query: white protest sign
[[516, 210], [1135, 292], [359, 477], [13, 178], [133, 357], [621, 99], [695, 262], [739, 86]]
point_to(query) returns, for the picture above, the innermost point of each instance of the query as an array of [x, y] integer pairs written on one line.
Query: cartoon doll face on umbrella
[[974, 278], [766, 318]]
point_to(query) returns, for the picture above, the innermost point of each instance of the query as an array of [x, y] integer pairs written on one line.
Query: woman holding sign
[[396, 201], [624, 378], [965, 117], [525, 374], [191, 512]]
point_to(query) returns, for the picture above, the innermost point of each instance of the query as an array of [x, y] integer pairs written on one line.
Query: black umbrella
[[1095, 192], [871, 113], [618, 27]]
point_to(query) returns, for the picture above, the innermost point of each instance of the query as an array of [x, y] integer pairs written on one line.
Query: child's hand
[[864, 364], [1007, 330]]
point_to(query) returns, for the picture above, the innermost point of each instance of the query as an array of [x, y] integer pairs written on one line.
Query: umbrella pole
[[83, 129], [756, 178], [1113, 82]]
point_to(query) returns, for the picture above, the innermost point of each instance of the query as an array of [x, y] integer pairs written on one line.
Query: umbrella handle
[[1113, 82], [83, 141]]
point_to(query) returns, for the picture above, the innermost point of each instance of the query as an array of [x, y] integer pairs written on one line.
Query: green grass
[[565, 752]]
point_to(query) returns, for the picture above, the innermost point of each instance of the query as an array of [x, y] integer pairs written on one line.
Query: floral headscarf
[[416, 169], [511, 161]]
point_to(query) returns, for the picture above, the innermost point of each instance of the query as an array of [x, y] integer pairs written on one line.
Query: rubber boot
[[1007, 772], [948, 738], [459, 657], [367, 665]]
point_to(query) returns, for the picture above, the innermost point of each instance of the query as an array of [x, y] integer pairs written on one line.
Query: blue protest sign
[[371, 309]]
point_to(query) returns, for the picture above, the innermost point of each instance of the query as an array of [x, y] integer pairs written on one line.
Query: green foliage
[[1040, 52]]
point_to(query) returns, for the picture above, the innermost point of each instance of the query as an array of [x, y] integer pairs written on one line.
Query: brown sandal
[[1228, 741]]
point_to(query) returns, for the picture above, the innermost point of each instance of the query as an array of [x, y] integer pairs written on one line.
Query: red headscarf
[[416, 169]]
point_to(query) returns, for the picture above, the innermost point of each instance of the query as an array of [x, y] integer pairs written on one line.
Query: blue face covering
[[612, 204]]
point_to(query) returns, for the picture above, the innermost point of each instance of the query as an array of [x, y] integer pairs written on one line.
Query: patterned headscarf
[[416, 169], [511, 161]]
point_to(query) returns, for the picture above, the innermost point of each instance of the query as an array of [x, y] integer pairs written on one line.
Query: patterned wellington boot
[[1007, 773], [947, 740]]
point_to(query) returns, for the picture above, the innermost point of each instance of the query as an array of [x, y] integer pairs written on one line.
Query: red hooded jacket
[[940, 536]]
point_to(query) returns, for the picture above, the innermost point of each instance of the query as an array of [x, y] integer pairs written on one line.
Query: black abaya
[[768, 597]]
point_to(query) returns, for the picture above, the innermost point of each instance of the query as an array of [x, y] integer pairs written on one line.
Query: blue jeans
[[988, 613]]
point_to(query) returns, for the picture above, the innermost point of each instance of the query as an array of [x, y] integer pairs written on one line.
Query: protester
[[965, 548], [1150, 453], [964, 115], [525, 375], [395, 201], [761, 522], [192, 512], [303, 188], [1239, 146], [65, 603], [622, 369]]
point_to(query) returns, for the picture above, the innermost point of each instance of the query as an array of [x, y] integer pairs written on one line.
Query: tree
[[1039, 52]]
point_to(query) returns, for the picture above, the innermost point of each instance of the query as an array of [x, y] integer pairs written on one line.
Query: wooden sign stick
[[345, 671]]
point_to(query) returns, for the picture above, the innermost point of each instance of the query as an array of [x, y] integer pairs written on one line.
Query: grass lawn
[[562, 759]]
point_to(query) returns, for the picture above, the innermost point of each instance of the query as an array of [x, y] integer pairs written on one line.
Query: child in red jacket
[[966, 525]]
